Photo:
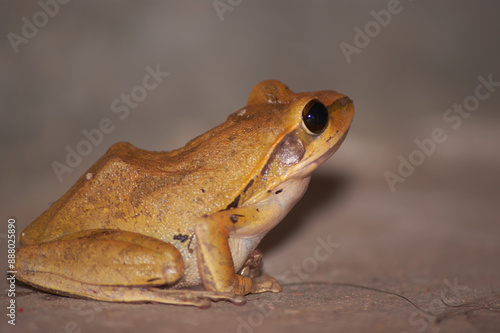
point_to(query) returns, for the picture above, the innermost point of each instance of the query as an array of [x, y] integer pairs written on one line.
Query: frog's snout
[[345, 100]]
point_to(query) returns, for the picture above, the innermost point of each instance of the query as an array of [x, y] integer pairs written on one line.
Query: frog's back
[[158, 193]]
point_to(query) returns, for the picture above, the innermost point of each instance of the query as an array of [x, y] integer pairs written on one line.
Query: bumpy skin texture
[[137, 219]]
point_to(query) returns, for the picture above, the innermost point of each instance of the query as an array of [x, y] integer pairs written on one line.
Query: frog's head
[[291, 133], [308, 127]]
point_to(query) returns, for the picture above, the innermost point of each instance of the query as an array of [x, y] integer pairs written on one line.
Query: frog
[[181, 227]]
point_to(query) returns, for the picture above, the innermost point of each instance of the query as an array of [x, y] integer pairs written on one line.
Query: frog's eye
[[315, 117]]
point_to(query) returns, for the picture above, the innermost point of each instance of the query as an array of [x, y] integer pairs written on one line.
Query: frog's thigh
[[100, 264], [101, 257]]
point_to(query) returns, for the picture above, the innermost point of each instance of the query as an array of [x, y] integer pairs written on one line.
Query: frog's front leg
[[215, 261], [110, 265]]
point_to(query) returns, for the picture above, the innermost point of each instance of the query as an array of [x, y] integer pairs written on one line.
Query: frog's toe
[[266, 283]]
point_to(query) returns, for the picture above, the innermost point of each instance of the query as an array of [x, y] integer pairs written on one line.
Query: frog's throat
[[280, 199]]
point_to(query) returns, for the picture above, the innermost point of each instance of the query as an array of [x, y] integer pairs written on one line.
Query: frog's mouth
[[311, 162], [332, 149]]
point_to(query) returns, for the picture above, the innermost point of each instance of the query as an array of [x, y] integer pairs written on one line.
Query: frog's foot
[[265, 283], [129, 294], [260, 282], [199, 298], [253, 266]]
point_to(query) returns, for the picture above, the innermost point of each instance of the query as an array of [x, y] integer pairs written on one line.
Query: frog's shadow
[[323, 188]]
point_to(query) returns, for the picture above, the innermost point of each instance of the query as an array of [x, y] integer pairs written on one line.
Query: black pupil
[[316, 118]]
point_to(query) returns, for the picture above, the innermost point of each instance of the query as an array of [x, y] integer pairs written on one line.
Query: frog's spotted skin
[[190, 216]]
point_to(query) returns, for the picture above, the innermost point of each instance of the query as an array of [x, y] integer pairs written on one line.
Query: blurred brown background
[[434, 238]]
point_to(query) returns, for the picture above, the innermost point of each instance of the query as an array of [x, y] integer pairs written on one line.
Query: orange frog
[[142, 226]]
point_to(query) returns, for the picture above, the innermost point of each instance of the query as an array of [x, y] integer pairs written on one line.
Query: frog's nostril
[[345, 100]]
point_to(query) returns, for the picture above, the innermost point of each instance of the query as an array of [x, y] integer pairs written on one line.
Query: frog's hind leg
[[110, 265]]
